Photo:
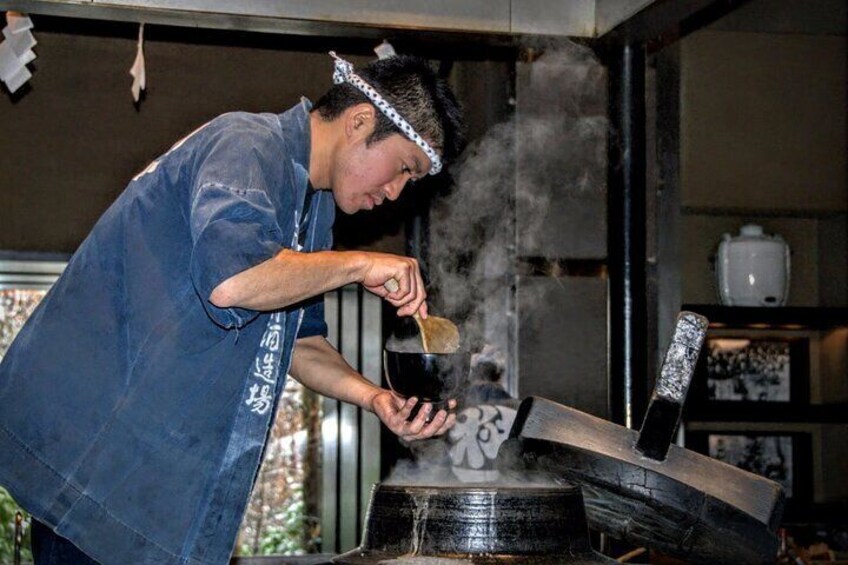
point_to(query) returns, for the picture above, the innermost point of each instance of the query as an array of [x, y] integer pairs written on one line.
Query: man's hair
[[418, 94]]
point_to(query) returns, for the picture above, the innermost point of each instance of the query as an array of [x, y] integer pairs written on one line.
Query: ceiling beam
[[662, 22], [366, 18]]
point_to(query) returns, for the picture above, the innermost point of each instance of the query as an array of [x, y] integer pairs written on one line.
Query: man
[[138, 397]]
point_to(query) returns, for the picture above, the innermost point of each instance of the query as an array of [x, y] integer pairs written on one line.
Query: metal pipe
[[418, 238], [626, 235]]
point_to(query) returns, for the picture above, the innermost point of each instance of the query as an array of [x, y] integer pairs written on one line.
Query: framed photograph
[[752, 375], [784, 457]]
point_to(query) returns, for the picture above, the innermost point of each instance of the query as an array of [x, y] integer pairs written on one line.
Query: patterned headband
[[344, 73]]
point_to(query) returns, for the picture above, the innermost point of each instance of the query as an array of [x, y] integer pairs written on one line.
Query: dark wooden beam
[[666, 21]]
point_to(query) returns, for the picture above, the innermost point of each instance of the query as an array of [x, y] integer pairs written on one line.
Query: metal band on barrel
[[344, 73]]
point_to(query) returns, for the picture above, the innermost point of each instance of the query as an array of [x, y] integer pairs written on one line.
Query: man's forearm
[[318, 366], [289, 278]]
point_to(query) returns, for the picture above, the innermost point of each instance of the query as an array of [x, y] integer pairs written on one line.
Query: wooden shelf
[[751, 213], [769, 412], [817, 516], [776, 318]]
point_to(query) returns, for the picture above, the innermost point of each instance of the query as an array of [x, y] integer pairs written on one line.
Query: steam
[[430, 467], [404, 345], [420, 560], [512, 189]]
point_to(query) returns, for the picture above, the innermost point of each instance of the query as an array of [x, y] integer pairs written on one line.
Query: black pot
[[430, 377], [477, 524]]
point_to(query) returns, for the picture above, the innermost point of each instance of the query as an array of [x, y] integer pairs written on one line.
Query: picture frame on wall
[[782, 456], [755, 377]]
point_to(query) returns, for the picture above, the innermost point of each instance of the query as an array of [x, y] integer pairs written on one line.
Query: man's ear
[[360, 121]]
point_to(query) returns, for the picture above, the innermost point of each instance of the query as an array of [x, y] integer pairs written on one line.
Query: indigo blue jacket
[[133, 412]]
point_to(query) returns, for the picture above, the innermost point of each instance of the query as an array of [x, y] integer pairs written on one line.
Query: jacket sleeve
[[233, 222], [313, 318], [232, 231]]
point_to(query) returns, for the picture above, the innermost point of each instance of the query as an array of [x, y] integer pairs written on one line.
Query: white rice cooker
[[752, 269]]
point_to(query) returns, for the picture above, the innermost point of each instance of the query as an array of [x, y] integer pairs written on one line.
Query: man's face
[[367, 175]]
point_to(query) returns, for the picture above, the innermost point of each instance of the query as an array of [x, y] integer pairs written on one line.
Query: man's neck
[[320, 154]]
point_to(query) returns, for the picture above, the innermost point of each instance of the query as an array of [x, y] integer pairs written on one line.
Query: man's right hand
[[410, 295]]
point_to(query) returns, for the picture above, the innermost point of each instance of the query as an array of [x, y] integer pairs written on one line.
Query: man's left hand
[[394, 411]]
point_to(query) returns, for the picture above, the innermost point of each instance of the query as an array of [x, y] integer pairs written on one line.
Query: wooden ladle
[[438, 335]]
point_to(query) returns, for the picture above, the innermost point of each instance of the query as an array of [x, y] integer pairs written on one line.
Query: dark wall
[[72, 138], [561, 223]]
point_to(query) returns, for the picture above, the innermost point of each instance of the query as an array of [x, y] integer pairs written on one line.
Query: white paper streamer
[[9, 62], [385, 50], [20, 42], [18, 22], [18, 79], [27, 58], [137, 70], [16, 51]]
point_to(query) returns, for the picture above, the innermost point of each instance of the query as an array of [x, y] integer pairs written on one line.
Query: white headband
[[344, 73]]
